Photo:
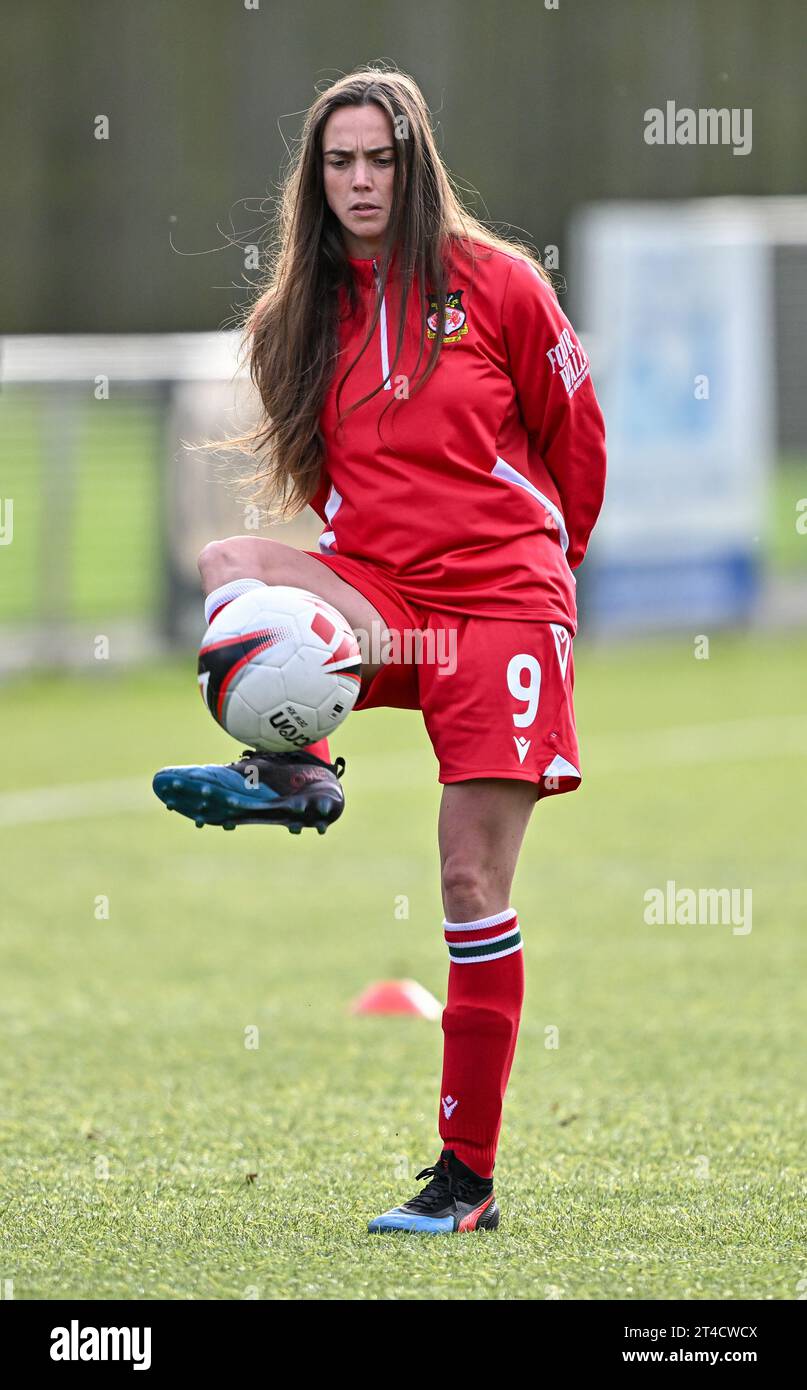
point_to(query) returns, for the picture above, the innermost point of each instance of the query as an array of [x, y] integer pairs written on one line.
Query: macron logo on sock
[[449, 1106]]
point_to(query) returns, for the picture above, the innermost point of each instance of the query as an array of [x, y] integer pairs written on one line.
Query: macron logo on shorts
[[563, 645]]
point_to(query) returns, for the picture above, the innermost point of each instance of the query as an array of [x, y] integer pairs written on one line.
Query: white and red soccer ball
[[279, 668]]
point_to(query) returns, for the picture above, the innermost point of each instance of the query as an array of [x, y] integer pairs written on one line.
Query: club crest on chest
[[455, 317]]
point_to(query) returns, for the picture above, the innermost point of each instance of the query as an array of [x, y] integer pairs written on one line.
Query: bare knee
[[471, 891], [237, 557]]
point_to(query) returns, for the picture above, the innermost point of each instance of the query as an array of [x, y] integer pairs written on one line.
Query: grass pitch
[[149, 1150]]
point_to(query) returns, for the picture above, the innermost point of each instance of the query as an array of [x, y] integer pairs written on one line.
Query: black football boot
[[456, 1199], [295, 789]]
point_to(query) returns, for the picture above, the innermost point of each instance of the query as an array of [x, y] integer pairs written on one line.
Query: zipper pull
[[382, 333]]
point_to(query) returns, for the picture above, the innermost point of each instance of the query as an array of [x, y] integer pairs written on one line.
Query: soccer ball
[[279, 668]]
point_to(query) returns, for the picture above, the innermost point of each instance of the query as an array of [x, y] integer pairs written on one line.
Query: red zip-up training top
[[482, 490]]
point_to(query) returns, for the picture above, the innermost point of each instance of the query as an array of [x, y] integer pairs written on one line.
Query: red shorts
[[496, 695]]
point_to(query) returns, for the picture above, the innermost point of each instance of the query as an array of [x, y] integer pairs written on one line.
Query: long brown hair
[[291, 331]]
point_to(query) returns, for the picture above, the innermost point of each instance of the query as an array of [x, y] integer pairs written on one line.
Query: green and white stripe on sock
[[488, 938]]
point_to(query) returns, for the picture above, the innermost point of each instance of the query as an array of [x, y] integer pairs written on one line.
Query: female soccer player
[[423, 391]]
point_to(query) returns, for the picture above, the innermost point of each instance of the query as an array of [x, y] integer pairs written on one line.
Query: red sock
[[320, 749], [480, 1024]]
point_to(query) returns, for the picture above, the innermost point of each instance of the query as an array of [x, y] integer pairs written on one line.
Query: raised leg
[[255, 557]]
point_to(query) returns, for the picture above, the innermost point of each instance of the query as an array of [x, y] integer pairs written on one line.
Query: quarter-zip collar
[[367, 269], [367, 272]]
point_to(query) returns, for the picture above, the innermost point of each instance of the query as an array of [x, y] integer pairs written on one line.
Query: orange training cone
[[397, 997]]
